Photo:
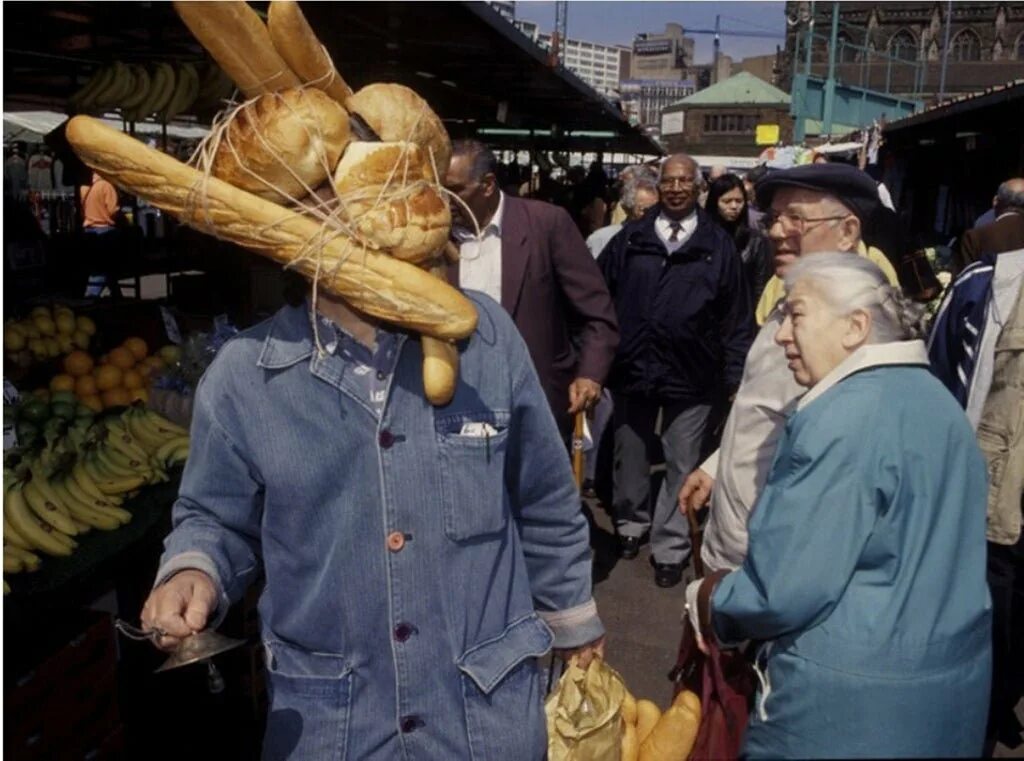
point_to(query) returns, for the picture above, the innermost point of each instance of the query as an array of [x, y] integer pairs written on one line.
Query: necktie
[[675, 227]]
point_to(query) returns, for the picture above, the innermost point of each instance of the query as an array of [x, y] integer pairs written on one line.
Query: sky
[[617, 21]]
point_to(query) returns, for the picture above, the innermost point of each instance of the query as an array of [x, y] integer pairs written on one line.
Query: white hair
[[848, 282]]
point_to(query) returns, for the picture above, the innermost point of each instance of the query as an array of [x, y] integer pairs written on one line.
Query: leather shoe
[[668, 574], [629, 547]]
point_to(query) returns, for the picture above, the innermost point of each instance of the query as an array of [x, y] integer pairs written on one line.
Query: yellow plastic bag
[[583, 714]]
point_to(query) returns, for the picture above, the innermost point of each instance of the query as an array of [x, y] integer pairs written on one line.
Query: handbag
[[724, 679]]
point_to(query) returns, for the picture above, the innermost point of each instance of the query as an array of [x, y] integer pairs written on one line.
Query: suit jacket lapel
[[514, 253]]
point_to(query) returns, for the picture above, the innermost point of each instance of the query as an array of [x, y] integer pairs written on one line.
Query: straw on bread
[[300, 48], [374, 283]]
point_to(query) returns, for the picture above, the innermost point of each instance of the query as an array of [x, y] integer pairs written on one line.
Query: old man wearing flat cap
[[816, 208]]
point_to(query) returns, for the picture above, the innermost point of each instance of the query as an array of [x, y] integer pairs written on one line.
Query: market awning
[[474, 67], [35, 125]]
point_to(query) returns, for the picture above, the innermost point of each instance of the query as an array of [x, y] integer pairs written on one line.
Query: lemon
[[65, 343], [86, 325], [52, 347], [65, 322], [45, 325], [40, 312], [80, 339], [14, 338], [38, 347]]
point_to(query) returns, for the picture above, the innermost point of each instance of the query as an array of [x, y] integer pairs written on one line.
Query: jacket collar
[[702, 241], [289, 338], [871, 355]]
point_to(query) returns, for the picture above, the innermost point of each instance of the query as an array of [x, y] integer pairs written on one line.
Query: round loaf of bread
[[283, 144], [395, 112], [386, 200]]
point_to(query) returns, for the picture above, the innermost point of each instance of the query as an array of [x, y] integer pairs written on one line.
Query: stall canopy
[[33, 126], [476, 70]]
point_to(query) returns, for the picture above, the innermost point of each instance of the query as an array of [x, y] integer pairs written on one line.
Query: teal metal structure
[[833, 102]]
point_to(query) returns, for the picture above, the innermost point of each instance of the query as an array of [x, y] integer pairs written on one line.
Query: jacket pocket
[[501, 679], [310, 699], [471, 448]]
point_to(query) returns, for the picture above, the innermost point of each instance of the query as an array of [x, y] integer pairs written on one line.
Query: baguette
[[371, 282], [440, 362], [298, 45], [235, 36]]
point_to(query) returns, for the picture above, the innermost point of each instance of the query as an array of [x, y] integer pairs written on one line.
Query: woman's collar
[[870, 355]]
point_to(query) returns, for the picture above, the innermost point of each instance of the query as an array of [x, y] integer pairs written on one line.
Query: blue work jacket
[[865, 574], [417, 562]]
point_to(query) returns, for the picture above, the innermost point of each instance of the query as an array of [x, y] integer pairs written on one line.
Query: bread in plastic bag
[[584, 714]]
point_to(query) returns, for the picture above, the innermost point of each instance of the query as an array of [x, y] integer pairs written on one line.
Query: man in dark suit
[[1005, 234], [531, 258], [686, 320]]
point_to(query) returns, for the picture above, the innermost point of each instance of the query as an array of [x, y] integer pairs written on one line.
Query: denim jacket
[[415, 566]]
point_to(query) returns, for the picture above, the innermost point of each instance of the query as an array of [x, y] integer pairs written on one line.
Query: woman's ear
[[858, 329]]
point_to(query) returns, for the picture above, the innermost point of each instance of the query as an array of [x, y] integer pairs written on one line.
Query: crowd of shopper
[[751, 333]]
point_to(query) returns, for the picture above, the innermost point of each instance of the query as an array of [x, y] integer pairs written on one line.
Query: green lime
[[63, 410], [81, 411], [35, 411], [63, 396], [27, 432]]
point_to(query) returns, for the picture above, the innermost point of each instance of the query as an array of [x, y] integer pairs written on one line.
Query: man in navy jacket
[[686, 323]]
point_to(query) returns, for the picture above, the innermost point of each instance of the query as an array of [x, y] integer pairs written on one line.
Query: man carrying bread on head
[[382, 455], [529, 257]]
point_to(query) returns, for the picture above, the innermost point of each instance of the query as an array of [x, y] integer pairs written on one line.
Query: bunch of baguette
[[339, 185]]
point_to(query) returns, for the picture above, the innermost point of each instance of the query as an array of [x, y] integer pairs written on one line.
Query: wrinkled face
[[481, 195], [731, 204], [815, 339], [645, 199], [802, 221], [678, 188]]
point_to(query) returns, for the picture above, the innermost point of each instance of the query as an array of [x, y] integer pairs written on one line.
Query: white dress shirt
[[480, 259], [687, 226]]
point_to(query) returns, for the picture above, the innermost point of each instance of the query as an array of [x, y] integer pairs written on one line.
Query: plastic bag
[[583, 714]]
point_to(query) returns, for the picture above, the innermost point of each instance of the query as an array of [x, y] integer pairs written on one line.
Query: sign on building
[[652, 47], [766, 134], [672, 123]]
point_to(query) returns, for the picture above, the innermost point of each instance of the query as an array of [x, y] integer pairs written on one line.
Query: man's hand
[[696, 491], [179, 607], [583, 394], [585, 652]]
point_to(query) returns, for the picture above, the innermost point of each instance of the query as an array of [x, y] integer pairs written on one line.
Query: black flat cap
[[854, 188]]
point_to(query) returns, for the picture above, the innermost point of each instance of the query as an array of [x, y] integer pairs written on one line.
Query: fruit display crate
[[68, 581]]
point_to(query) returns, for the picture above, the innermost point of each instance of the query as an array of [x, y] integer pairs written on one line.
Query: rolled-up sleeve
[[216, 518], [546, 505]]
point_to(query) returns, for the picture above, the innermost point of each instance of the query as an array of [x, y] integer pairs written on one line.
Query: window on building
[[1020, 48], [845, 52], [966, 46], [903, 45]]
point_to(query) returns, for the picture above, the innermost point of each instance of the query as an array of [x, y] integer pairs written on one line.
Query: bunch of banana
[[26, 528], [166, 443], [138, 92], [215, 87]]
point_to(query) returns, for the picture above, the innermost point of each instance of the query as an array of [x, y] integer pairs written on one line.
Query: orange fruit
[[138, 395], [62, 382], [131, 379], [136, 346], [85, 385], [92, 401], [107, 377], [116, 397], [121, 357], [78, 363]]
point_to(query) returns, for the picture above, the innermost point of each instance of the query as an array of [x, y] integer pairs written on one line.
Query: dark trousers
[[1006, 583]]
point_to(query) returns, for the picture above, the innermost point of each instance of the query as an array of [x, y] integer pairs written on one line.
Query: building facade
[[597, 64], [986, 45], [664, 55], [722, 120]]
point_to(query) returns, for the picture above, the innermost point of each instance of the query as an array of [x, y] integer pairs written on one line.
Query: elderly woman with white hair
[[865, 576]]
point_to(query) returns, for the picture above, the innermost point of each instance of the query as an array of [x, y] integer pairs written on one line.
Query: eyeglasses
[[682, 183], [795, 223]]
